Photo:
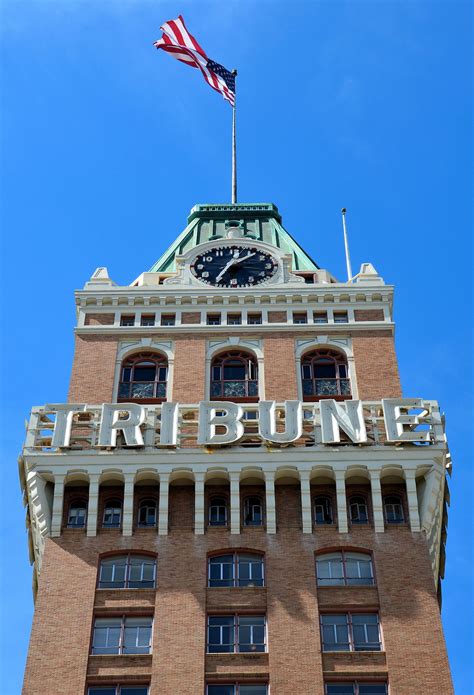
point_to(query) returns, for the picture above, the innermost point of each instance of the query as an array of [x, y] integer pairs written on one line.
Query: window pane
[[220, 690], [112, 573], [101, 691], [329, 570], [133, 690], [340, 689], [250, 569], [141, 573], [137, 636], [335, 631], [365, 630], [251, 633], [221, 571], [373, 689], [359, 569], [144, 373], [253, 690], [220, 634]]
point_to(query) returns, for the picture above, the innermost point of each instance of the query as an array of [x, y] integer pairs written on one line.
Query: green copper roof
[[260, 221]]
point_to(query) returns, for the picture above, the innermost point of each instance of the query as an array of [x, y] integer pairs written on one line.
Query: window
[[393, 508], [254, 319], [235, 633], [168, 320], [147, 320], [143, 378], [147, 514], [234, 376], [77, 515], [237, 689], [253, 511], [341, 317], [300, 317], [234, 319], [112, 514], [118, 690], [350, 632], [320, 317], [213, 319], [322, 510], [356, 688], [358, 511], [236, 569], [344, 568], [127, 572], [128, 320], [218, 512], [324, 375], [126, 635]]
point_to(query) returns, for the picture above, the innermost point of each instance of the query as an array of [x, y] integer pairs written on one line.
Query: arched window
[[234, 377], [323, 510], [236, 569], [147, 514], [218, 512], [324, 374], [253, 511], [393, 508], [77, 514], [127, 572], [344, 568], [112, 514], [359, 513], [143, 378]]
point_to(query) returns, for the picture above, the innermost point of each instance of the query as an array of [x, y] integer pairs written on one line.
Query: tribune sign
[[223, 423]]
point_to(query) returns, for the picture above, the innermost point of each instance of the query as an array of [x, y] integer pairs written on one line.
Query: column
[[306, 502], [199, 503], [341, 501], [377, 504], [93, 504], [234, 502], [270, 501], [164, 498], [128, 488], [58, 501], [412, 498]]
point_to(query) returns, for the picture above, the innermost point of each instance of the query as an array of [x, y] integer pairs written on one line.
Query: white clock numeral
[[262, 257], [233, 281], [200, 266], [219, 252], [262, 273], [209, 259], [251, 279], [205, 274], [268, 266]]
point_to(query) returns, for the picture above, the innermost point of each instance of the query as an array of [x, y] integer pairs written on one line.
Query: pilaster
[[234, 502], [199, 524], [377, 504], [341, 501], [58, 503], [128, 489], [164, 499], [270, 501], [93, 504], [306, 502]]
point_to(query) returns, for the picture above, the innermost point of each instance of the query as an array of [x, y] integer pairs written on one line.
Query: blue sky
[[107, 144]]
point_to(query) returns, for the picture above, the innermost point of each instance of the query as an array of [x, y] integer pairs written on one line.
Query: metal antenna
[[346, 246]]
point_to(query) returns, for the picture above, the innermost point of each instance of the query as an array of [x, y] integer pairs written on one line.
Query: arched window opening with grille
[[393, 509], [112, 514], [147, 514], [324, 374], [234, 377], [143, 378], [77, 514], [218, 511]]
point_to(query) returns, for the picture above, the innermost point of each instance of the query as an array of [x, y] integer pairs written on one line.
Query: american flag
[[177, 41]]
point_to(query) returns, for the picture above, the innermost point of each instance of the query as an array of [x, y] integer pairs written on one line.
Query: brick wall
[[189, 369], [99, 319], [376, 365], [414, 659], [92, 376], [190, 317], [368, 314], [277, 317], [280, 367]]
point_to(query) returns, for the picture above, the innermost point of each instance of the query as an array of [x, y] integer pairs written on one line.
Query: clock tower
[[236, 498]]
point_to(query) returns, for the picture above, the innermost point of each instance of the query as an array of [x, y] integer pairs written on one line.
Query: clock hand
[[244, 258], [226, 268]]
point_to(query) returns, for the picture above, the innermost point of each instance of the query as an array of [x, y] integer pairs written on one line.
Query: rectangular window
[[350, 632], [240, 569], [237, 689], [147, 320], [127, 571], [127, 320], [320, 317], [341, 317], [213, 319], [254, 319], [236, 633], [301, 317], [122, 635], [234, 319], [344, 568], [168, 319], [118, 690], [356, 688]]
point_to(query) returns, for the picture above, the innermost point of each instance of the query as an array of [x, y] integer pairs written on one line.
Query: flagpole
[[346, 246], [234, 151]]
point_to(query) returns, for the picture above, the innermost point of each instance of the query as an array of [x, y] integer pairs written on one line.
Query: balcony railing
[[86, 425]]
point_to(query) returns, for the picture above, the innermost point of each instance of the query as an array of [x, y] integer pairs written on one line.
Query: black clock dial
[[234, 266]]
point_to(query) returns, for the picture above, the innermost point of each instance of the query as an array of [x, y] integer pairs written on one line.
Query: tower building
[[237, 498]]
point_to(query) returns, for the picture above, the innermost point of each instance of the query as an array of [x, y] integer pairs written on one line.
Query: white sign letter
[[213, 414], [169, 424], [111, 423], [395, 413], [293, 421], [63, 424], [348, 417]]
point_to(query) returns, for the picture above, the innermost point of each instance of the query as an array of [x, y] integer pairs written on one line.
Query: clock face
[[234, 266]]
